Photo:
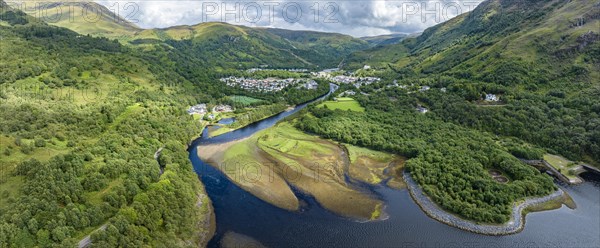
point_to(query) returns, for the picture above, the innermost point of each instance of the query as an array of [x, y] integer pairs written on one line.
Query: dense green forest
[[81, 120], [449, 161]]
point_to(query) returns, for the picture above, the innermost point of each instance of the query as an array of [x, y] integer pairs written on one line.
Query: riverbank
[[515, 225], [207, 223], [226, 128], [272, 161]]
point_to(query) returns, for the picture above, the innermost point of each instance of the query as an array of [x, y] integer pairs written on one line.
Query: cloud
[[353, 17]]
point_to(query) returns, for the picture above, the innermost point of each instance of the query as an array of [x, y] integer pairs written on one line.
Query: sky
[[353, 17]]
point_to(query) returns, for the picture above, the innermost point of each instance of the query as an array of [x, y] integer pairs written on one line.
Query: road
[[87, 240]]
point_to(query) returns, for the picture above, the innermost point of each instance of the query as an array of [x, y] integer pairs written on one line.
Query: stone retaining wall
[[515, 225]]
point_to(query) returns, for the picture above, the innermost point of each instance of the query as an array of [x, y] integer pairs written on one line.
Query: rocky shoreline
[[515, 225]]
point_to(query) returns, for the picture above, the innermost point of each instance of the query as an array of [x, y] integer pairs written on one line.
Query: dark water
[[226, 121], [407, 226]]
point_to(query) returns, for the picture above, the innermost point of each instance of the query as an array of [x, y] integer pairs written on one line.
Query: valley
[[484, 128]]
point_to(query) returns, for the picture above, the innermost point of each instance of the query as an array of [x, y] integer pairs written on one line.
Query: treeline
[[450, 162], [256, 114], [561, 120]]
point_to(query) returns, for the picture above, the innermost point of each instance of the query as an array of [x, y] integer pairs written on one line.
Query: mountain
[[387, 39], [84, 17], [505, 41], [217, 44], [234, 46], [541, 57]]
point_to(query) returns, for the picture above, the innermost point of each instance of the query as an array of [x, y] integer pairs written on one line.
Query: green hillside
[[232, 46], [83, 117], [220, 45], [84, 17], [501, 40], [382, 40], [80, 121], [541, 56]]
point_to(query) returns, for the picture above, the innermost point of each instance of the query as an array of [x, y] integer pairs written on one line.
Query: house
[[366, 67], [424, 88], [311, 85], [197, 109], [491, 98], [422, 110], [222, 108]]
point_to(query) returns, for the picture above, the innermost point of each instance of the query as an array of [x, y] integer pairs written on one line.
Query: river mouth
[[405, 224]]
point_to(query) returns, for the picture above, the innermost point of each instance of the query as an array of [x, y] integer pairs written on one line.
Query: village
[[268, 84], [345, 79]]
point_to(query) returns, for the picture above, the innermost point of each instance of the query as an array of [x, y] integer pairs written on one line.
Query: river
[[407, 226]]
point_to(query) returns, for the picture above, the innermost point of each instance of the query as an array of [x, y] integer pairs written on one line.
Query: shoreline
[[514, 225]]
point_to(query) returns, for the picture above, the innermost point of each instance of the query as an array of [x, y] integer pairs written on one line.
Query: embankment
[[515, 225]]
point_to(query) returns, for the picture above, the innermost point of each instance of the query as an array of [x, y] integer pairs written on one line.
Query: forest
[[80, 121], [450, 162]]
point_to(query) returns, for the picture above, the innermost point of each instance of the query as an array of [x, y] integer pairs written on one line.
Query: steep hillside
[[382, 40], [540, 57], [84, 17], [232, 46], [219, 45], [81, 119], [505, 41]]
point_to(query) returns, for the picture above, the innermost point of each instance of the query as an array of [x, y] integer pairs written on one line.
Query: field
[[563, 165], [246, 100], [343, 103], [311, 164]]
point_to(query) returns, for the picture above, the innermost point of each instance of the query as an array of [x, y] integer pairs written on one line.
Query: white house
[[491, 98]]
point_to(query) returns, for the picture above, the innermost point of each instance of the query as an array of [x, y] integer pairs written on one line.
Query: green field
[[561, 164], [343, 103], [246, 100]]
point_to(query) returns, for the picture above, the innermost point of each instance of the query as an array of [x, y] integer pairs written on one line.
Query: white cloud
[[357, 18]]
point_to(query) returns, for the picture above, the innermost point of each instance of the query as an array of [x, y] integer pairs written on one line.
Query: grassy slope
[[86, 18], [497, 34], [561, 164], [93, 92]]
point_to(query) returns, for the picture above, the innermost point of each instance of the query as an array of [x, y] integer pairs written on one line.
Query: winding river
[[406, 226]]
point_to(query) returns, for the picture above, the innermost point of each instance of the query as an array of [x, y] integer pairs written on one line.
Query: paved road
[[87, 240]]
